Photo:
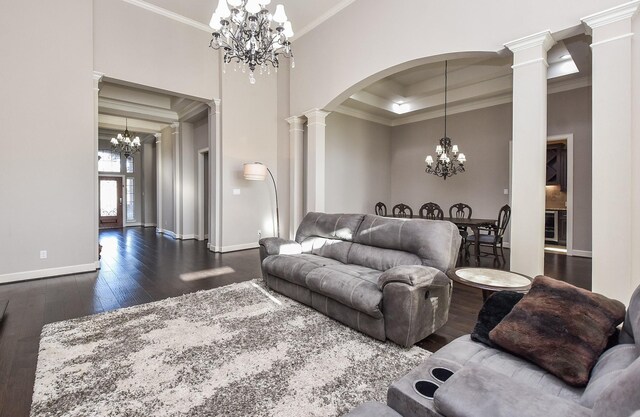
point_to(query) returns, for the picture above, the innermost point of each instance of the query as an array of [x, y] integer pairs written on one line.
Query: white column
[[613, 172], [97, 79], [177, 180], [315, 159], [215, 175], [529, 152], [159, 222], [296, 172]]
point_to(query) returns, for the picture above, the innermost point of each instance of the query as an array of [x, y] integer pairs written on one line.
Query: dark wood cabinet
[[562, 227], [557, 165]]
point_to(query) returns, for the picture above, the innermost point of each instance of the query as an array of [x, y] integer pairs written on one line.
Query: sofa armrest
[[415, 276], [476, 391], [280, 246]]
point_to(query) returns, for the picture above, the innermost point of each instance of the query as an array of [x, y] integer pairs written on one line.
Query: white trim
[[532, 61], [543, 39], [166, 232], [155, 114], [200, 181], [359, 114], [322, 18], [133, 224], [615, 38], [233, 248], [171, 15], [149, 225], [50, 272], [186, 237], [582, 253], [568, 85], [570, 214], [612, 15]]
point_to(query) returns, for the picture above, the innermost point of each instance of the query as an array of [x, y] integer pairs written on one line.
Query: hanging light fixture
[[124, 143], [450, 160], [246, 35]]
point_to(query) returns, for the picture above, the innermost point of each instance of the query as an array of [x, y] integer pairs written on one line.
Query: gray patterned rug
[[235, 351]]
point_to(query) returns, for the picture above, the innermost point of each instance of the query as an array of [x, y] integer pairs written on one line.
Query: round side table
[[490, 280]]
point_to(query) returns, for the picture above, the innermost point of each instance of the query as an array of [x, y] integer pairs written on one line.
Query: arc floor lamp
[[257, 171]]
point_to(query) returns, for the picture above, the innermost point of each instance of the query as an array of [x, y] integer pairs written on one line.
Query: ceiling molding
[[322, 18], [117, 123], [191, 111], [553, 88], [168, 13], [122, 108], [359, 114]]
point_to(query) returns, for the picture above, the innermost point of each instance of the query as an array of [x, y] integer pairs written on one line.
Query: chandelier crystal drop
[[124, 143], [250, 35], [450, 160]]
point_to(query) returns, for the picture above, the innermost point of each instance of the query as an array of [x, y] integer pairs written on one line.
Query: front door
[[110, 202]]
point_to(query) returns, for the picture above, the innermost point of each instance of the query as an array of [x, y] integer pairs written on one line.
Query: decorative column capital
[[543, 39], [158, 137], [175, 125], [316, 116], [612, 15], [97, 79], [214, 105], [295, 123]]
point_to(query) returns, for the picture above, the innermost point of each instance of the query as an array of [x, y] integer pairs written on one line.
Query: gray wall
[[168, 218], [357, 164], [570, 112], [482, 135], [149, 173]]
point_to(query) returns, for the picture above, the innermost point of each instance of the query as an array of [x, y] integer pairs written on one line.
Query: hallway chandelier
[[450, 161], [246, 35], [124, 144]]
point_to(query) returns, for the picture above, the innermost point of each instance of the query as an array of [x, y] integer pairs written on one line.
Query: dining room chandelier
[[449, 160], [124, 143], [250, 35]]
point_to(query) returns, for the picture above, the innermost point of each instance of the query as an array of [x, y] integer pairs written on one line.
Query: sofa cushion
[[435, 242], [331, 226], [463, 351], [352, 285], [559, 327], [295, 268], [607, 370], [329, 248], [631, 329], [497, 306], [620, 398], [380, 259]]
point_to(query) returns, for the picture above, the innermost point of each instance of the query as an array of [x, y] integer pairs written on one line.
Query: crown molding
[[168, 13], [612, 15], [120, 108], [543, 39], [323, 18], [359, 114], [192, 110]]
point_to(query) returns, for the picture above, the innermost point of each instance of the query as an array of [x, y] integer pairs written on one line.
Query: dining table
[[472, 223]]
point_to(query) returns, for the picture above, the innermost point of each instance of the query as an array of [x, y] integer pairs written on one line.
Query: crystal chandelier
[[450, 161], [246, 35], [124, 144]]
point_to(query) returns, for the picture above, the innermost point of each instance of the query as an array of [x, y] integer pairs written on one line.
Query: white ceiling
[[303, 14], [418, 93]]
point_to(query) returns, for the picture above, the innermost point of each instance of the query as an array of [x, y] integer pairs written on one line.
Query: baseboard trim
[[234, 248], [581, 253], [166, 232], [150, 225], [50, 272], [186, 237], [135, 224]]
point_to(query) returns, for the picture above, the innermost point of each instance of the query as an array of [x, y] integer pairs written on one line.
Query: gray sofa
[[492, 383], [382, 276]]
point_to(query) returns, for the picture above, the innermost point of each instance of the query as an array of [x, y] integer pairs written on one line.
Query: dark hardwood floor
[[140, 266]]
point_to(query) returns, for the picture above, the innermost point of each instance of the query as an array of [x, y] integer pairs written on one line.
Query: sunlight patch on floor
[[206, 273]]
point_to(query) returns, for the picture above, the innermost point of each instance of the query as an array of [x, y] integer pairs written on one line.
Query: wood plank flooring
[[140, 266]]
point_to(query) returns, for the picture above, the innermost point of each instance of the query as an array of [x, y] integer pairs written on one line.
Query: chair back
[[431, 211], [503, 220], [402, 210], [381, 209], [460, 211]]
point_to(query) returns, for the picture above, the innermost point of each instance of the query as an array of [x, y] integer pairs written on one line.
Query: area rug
[[239, 350]]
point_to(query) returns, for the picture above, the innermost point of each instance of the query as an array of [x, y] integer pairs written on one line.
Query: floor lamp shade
[[255, 172]]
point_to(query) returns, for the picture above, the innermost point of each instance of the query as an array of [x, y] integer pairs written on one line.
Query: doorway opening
[[558, 227], [204, 209], [110, 202]]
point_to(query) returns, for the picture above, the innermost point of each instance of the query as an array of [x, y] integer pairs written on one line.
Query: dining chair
[[431, 211], [381, 209], [461, 211], [494, 234], [402, 210]]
